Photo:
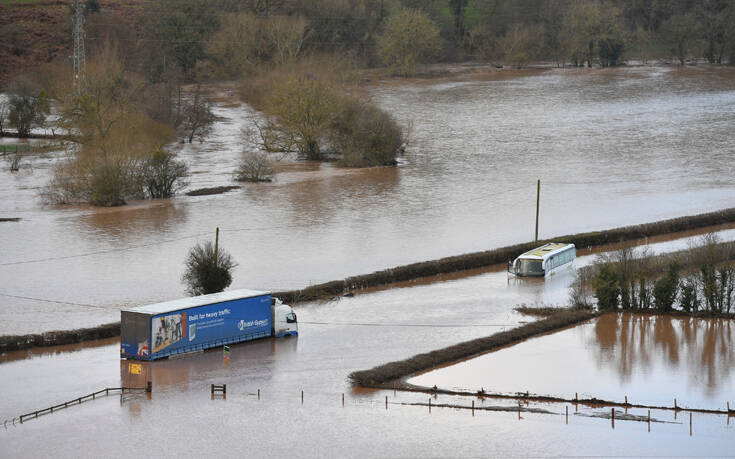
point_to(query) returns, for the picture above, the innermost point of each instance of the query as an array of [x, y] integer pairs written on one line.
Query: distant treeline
[[187, 33]]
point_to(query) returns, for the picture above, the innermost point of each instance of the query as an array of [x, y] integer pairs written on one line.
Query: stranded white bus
[[543, 260]]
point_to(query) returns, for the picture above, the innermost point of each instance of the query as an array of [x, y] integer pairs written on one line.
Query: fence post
[[302, 397], [612, 411], [473, 407]]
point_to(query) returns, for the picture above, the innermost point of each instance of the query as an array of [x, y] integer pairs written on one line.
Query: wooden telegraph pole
[[216, 246], [538, 200]]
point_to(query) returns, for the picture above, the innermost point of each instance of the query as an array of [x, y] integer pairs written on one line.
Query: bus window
[[531, 267]]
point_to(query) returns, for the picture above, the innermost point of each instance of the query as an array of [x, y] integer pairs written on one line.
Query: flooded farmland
[[648, 359], [335, 338], [625, 146]]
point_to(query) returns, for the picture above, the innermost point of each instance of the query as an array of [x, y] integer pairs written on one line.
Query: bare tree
[[286, 35], [197, 117]]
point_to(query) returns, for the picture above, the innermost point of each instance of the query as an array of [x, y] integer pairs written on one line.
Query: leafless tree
[[197, 117]]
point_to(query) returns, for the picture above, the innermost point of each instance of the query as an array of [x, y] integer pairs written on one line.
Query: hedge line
[[501, 255], [396, 370], [58, 337]]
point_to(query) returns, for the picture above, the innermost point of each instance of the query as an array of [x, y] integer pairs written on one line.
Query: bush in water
[[207, 270]]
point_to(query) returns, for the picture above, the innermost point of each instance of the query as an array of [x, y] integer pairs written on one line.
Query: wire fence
[[521, 404]]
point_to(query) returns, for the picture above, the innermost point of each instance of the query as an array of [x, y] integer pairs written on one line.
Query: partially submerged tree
[[28, 106], [111, 138], [163, 174], [365, 135], [208, 269], [606, 286], [197, 117], [301, 109], [255, 167]]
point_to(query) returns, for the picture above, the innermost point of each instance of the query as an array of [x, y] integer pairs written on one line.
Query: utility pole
[[216, 246], [78, 40], [538, 201]]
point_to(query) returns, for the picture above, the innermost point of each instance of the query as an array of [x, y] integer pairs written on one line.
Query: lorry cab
[[284, 320]]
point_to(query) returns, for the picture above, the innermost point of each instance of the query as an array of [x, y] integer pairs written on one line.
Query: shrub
[[255, 167], [207, 270], [29, 107], [365, 135], [163, 174], [110, 181]]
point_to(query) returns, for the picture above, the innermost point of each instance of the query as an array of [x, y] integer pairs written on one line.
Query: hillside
[[36, 32]]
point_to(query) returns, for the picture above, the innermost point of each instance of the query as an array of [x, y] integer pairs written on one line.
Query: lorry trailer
[[193, 324]]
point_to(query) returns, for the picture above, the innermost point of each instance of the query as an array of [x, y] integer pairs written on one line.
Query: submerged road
[[336, 338]]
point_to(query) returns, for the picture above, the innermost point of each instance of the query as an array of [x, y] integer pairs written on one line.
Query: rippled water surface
[[612, 147]]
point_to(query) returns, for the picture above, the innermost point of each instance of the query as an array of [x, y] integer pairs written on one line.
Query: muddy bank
[[381, 375], [212, 190]]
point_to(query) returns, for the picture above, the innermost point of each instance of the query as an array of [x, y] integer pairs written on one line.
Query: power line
[[243, 229], [357, 324], [54, 301]]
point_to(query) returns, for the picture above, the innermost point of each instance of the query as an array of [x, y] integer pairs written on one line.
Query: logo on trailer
[[241, 325]]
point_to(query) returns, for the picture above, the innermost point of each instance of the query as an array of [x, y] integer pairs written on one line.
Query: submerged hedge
[[58, 337], [396, 370], [409, 272], [501, 255]]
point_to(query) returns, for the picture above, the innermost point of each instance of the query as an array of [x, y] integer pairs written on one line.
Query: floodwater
[[336, 337], [612, 147], [648, 359]]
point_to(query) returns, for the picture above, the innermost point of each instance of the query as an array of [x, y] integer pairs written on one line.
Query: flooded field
[[336, 338], [651, 360], [612, 147]]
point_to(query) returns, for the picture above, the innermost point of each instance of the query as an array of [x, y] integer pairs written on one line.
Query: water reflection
[[649, 359], [635, 344], [134, 221], [179, 372], [327, 192]]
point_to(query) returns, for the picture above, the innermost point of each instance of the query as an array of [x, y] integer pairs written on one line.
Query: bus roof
[[194, 301], [543, 252]]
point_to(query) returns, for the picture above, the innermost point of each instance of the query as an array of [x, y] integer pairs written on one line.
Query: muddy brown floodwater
[[612, 147], [336, 338]]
